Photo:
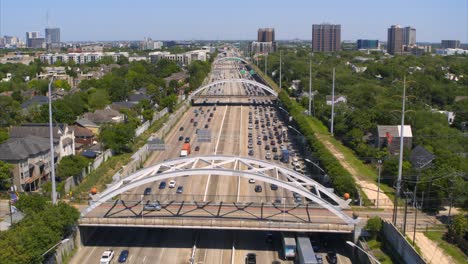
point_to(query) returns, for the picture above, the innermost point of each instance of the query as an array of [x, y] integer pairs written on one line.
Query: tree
[[62, 84], [5, 175], [71, 166], [9, 111], [374, 225], [42, 86], [117, 136], [98, 98], [3, 135]]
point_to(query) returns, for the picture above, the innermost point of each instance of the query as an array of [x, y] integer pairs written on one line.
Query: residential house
[[30, 157], [389, 136], [338, 99], [86, 123], [103, 116], [178, 76], [35, 101], [83, 136], [64, 136]]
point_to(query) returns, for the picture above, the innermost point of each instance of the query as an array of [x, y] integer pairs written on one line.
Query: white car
[[107, 256], [172, 184], [268, 155], [251, 180]]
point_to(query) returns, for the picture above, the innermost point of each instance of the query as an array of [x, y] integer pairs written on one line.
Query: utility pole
[[266, 64], [280, 69], [406, 212], [378, 185], [400, 163], [416, 217], [417, 180], [51, 134], [310, 86], [333, 102]]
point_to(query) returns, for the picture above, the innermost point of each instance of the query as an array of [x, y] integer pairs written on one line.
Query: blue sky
[[238, 19]]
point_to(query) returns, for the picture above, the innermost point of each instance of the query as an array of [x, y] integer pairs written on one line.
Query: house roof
[[176, 76], [394, 131], [84, 122], [102, 116], [329, 97], [36, 129], [122, 105], [138, 97], [36, 100], [421, 157], [15, 149], [82, 131]]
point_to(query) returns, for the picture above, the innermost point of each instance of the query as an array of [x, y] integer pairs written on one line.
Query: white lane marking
[[240, 146], [233, 251], [144, 259], [216, 149]]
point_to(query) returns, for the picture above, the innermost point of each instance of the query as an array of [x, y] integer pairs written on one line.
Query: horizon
[[207, 21]]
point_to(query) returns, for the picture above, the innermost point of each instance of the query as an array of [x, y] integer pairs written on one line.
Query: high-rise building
[[52, 35], [326, 37], [409, 36], [266, 35], [33, 40], [450, 44], [368, 44], [395, 39]]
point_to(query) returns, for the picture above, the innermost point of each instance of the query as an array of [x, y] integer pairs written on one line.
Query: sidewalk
[[430, 251]]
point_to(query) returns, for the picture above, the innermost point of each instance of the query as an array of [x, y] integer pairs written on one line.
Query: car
[[319, 258], [181, 138], [162, 185], [259, 142], [209, 119], [276, 157], [147, 191], [251, 180], [258, 188], [172, 184], [268, 155], [107, 256], [187, 139], [206, 126], [273, 142], [181, 129], [274, 149], [195, 123], [180, 189], [251, 258], [197, 148], [273, 187], [123, 256], [251, 152], [267, 147], [155, 206], [331, 257], [191, 120], [250, 145]]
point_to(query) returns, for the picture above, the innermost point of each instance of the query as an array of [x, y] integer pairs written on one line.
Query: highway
[[228, 126]]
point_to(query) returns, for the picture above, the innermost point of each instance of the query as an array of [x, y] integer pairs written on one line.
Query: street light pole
[[280, 69], [51, 135], [400, 163], [310, 87], [365, 252], [333, 102]]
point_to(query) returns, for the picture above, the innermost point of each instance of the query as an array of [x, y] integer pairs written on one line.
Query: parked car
[[251, 152], [162, 185], [147, 191], [251, 258], [251, 180], [258, 188], [181, 138], [187, 139], [274, 187], [123, 256], [107, 256], [197, 148]]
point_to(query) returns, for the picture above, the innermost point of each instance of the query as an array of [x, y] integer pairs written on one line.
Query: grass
[[363, 170], [103, 175], [377, 250], [452, 250]]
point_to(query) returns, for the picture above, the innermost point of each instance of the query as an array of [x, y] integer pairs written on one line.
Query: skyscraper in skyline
[[266, 35], [326, 37], [450, 44], [395, 39], [33, 40], [52, 35], [409, 36]]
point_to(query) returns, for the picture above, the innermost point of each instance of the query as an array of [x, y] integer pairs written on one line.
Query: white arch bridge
[[325, 211], [245, 81]]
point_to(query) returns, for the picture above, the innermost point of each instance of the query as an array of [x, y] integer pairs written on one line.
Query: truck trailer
[[185, 151]]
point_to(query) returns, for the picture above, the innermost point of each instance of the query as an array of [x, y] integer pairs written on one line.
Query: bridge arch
[[232, 59], [214, 165], [260, 85]]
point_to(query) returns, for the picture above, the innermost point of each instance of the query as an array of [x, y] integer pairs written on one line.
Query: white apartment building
[[182, 58], [80, 58]]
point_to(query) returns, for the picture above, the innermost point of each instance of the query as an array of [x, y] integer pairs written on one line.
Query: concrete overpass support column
[[357, 233]]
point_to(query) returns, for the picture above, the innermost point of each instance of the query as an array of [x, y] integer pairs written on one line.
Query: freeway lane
[[229, 132]]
